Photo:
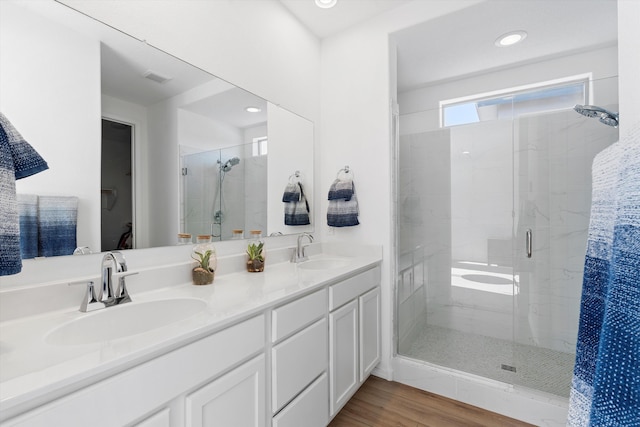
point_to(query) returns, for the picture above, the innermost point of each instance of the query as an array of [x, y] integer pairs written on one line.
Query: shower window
[[514, 102], [259, 146]]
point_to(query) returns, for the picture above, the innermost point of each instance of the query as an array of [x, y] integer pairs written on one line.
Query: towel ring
[[294, 178], [346, 171]]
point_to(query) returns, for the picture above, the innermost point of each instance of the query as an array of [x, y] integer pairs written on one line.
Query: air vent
[[158, 78]]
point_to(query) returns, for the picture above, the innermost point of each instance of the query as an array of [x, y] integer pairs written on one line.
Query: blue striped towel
[[291, 193], [17, 160], [28, 214], [296, 210], [605, 389], [57, 224], [343, 211]]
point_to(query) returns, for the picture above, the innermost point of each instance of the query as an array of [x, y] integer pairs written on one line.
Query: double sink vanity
[[286, 347]]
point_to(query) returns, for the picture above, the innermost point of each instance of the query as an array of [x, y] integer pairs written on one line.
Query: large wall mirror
[[150, 145]]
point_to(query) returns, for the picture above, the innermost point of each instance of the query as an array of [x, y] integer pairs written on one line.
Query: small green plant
[[255, 251], [203, 259]]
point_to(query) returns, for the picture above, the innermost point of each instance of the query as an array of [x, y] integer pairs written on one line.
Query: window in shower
[[259, 146], [514, 102]]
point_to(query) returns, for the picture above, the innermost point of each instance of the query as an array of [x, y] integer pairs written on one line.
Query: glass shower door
[[552, 181], [455, 269]]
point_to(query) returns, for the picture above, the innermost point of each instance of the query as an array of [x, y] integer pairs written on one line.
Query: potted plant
[[202, 274], [255, 261]]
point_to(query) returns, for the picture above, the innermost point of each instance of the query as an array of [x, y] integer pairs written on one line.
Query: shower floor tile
[[538, 368]]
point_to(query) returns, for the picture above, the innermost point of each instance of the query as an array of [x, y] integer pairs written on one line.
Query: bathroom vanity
[[287, 347]]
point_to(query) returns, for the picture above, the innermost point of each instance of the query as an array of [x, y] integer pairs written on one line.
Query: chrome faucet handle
[[89, 301], [121, 293]]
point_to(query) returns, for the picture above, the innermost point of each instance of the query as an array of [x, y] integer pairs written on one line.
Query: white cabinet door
[[343, 356], [369, 332], [236, 399]]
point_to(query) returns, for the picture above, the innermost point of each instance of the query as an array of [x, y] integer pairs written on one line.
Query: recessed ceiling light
[[253, 109], [510, 38], [326, 4]]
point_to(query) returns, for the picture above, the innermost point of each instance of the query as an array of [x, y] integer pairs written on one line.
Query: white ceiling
[[462, 43], [345, 14]]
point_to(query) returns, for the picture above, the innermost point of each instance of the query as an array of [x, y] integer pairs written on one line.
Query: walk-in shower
[[213, 191], [492, 222]]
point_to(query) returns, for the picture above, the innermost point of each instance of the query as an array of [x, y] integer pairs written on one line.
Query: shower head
[[607, 117], [230, 164]]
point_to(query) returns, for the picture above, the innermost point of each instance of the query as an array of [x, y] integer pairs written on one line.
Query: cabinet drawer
[[298, 314], [297, 361], [343, 292], [310, 409]]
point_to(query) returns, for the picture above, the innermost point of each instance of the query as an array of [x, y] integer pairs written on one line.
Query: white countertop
[[33, 371]]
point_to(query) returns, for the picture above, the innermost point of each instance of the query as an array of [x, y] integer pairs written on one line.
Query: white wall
[[629, 67], [62, 120], [288, 152], [355, 131]]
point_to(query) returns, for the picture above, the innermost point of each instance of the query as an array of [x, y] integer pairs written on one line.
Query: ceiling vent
[[158, 78]]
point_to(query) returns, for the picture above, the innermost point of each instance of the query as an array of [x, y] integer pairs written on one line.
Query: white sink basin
[[122, 321], [323, 264]]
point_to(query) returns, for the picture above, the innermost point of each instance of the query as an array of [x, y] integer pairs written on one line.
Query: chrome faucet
[[298, 253], [113, 266]]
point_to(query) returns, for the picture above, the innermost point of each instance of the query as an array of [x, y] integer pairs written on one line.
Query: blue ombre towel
[[17, 160], [28, 215], [343, 211], [57, 224], [296, 211], [606, 381]]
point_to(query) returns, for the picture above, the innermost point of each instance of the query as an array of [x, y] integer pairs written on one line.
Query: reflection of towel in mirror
[[28, 214], [343, 212], [17, 160], [296, 212], [341, 189], [291, 192], [57, 223]]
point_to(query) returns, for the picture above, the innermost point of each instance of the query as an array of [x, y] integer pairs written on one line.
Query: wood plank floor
[[382, 403]]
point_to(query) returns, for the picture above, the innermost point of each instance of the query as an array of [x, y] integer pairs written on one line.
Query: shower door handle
[[529, 243]]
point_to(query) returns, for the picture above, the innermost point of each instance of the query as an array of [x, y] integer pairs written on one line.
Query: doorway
[[116, 186]]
